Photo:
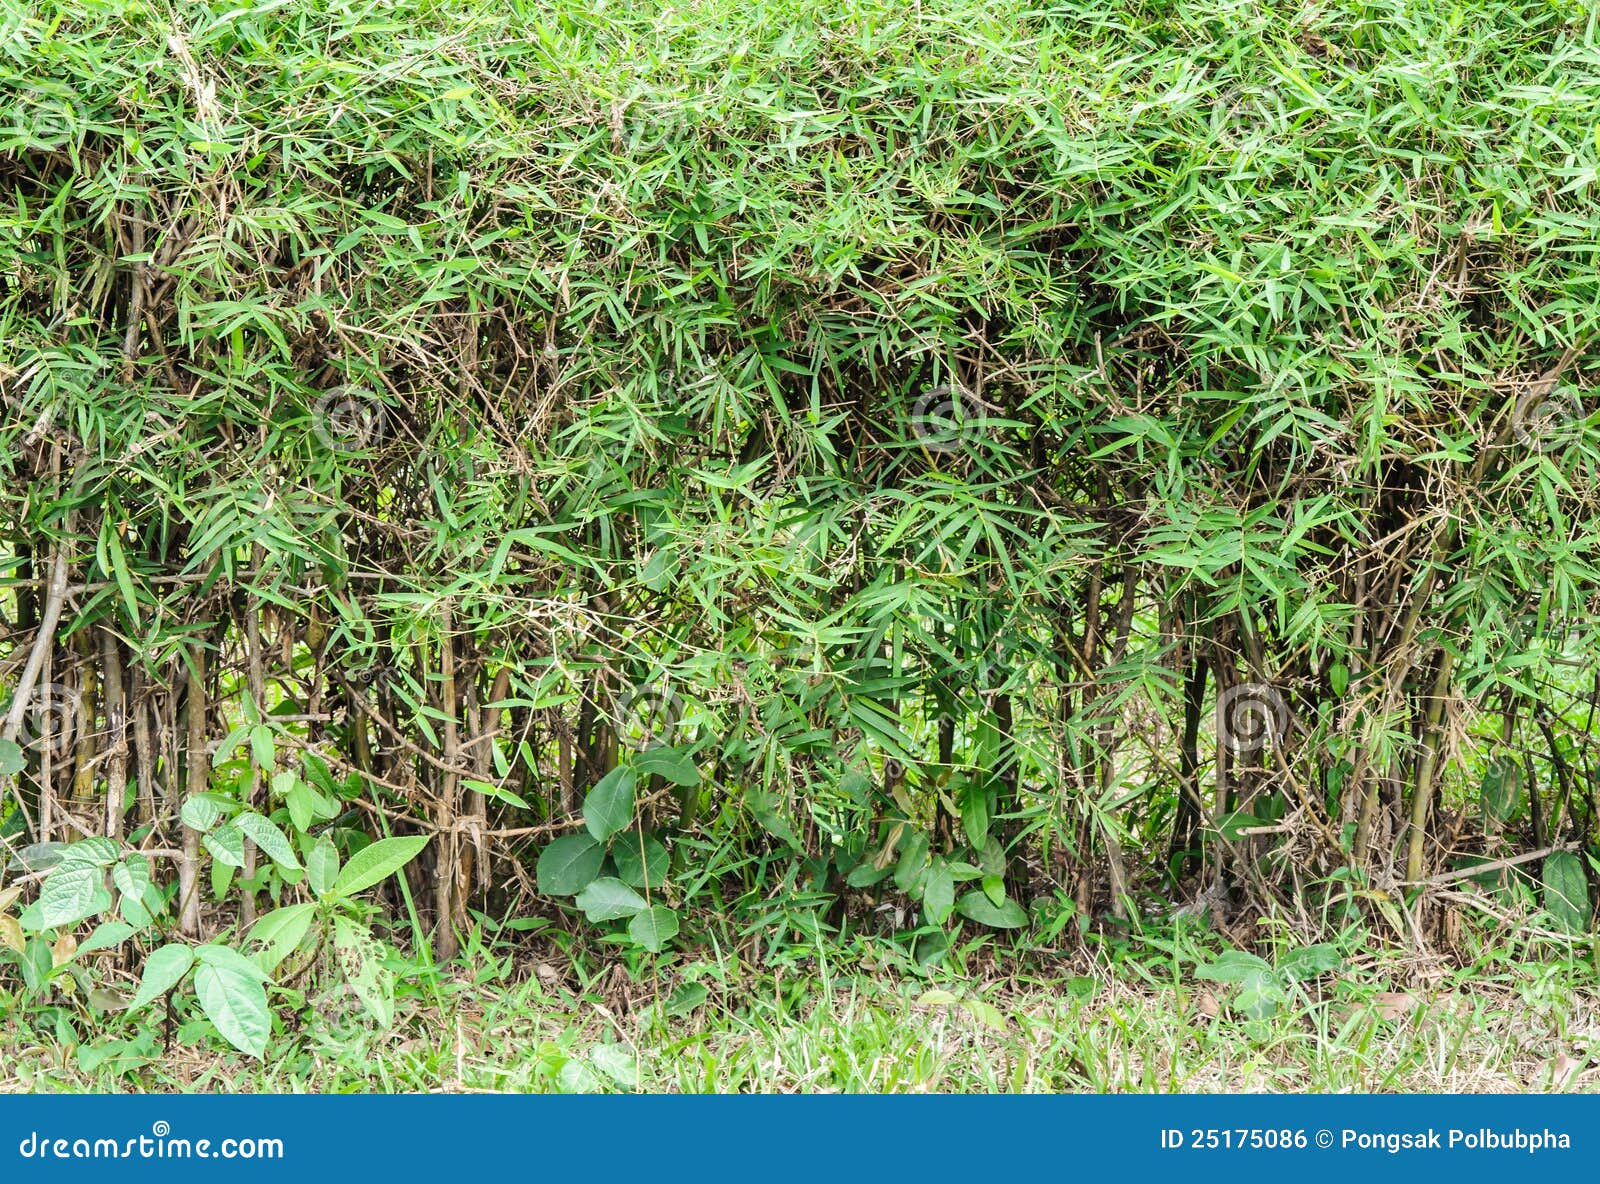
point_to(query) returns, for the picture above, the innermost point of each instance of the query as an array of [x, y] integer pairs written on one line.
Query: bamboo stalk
[[116, 709], [1422, 799], [445, 894], [198, 769]]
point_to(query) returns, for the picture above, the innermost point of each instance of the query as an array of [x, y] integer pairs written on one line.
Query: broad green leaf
[[654, 928], [163, 970], [280, 932], [1261, 994], [1499, 791], [1232, 966], [139, 911], [94, 852], [617, 1063], [608, 808], [669, 763], [684, 998], [69, 895], [578, 1077], [994, 887], [12, 759], [360, 958], [107, 935], [913, 864], [261, 746], [975, 814], [1566, 891], [226, 844], [568, 864], [986, 1013], [200, 813], [236, 1002], [36, 964], [642, 861], [864, 874], [976, 906], [132, 876], [322, 866], [374, 864], [301, 801], [268, 837], [1308, 962], [227, 958], [608, 899], [938, 892]]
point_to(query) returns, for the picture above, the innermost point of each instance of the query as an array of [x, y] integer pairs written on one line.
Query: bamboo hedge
[[982, 456]]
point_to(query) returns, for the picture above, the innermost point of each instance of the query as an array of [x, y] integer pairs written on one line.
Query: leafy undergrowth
[[1149, 1016]]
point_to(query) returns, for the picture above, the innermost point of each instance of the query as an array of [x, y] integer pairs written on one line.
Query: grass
[[478, 371], [1127, 1018]]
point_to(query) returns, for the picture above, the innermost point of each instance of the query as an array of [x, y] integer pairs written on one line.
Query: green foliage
[[958, 475], [1566, 892], [1262, 989]]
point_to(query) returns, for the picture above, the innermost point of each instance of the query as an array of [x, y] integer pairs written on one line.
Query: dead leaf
[[66, 946], [1563, 1071], [11, 933], [104, 999], [1395, 1005]]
